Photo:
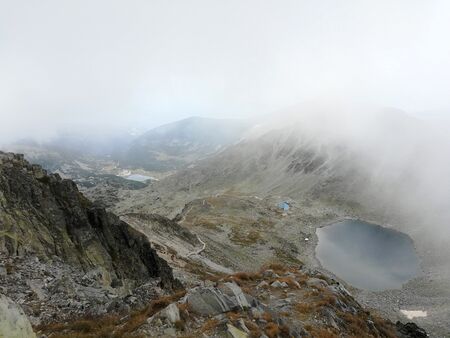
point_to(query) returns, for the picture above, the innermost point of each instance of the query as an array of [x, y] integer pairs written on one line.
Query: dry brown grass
[[385, 327], [278, 268], [138, 318], [233, 316], [303, 308], [247, 289], [321, 332], [209, 326], [255, 331], [84, 328], [272, 330], [183, 306], [246, 276], [109, 326], [184, 309], [326, 300], [240, 236], [321, 297], [356, 325], [327, 297], [285, 331], [243, 279], [266, 316], [180, 325]]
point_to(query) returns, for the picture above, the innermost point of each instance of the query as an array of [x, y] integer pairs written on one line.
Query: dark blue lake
[[367, 256]]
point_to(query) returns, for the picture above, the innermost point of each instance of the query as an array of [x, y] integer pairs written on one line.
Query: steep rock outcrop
[[47, 216]]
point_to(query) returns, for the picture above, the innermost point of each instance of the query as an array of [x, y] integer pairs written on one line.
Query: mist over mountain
[[358, 153], [178, 144], [168, 147]]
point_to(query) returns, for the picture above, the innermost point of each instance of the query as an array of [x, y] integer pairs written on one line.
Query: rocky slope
[[274, 302], [59, 251]]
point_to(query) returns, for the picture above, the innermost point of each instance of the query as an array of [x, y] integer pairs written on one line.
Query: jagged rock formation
[[58, 250], [48, 216]]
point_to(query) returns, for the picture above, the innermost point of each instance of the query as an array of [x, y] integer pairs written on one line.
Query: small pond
[[367, 256], [138, 178]]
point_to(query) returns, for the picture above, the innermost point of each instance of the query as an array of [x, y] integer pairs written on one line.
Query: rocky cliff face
[[52, 236]]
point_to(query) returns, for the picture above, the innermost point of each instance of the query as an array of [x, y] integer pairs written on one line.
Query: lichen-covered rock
[[13, 322], [171, 314], [213, 301], [234, 332], [278, 284], [238, 295], [209, 301]]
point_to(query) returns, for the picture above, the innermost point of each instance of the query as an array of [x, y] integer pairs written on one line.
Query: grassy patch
[[284, 256], [241, 236]]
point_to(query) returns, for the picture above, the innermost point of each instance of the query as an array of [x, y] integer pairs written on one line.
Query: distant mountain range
[[168, 147], [178, 144]]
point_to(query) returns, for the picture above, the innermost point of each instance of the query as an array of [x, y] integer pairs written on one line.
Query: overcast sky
[[148, 62]]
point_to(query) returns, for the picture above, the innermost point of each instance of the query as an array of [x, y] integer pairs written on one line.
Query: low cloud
[[111, 64]]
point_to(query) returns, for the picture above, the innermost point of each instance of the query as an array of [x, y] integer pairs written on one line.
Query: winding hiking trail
[[199, 251]]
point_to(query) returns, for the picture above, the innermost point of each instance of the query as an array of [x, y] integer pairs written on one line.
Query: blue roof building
[[284, 205]]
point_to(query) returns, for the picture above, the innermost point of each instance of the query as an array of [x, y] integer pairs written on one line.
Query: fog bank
[[115, 64]]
